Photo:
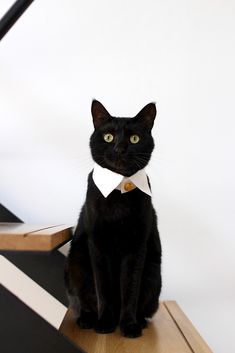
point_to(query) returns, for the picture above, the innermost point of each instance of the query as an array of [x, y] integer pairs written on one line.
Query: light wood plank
[[162, 336], [20, 236], [21, 228], [194, 339], [54, 236]]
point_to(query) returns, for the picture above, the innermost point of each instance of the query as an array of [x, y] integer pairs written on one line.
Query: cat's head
[[123, 145]]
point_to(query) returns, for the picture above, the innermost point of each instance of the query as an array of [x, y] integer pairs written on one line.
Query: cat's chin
[[127, 172], [123, 172], [119, 167]]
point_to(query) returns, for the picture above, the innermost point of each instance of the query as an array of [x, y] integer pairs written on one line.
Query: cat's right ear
[[99, 113], [147, 115]]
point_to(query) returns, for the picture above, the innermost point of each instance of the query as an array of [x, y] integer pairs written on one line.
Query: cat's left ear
[[147, 115], [99, 113]]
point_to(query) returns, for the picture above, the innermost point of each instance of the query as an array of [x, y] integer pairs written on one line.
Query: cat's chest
[[119, 220], [117, 207], [116, 223]]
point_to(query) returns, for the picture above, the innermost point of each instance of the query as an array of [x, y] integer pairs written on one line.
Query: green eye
[[108, 137], [134, 139]]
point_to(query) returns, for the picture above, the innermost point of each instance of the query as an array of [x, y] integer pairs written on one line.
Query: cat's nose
[[119, 149]]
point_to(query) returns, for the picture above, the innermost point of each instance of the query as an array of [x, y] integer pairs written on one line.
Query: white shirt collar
[[107, 181]]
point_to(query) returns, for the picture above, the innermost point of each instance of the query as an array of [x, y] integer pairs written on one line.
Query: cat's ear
[[147, 115], [99, 113]]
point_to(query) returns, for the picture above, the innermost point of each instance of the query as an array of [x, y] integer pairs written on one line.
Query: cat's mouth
[[116, 164], [119, 166]]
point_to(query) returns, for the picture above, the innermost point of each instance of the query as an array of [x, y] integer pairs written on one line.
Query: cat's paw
[[86, 320], [131, 330], [106, 323], [143, 323], [104, 327]]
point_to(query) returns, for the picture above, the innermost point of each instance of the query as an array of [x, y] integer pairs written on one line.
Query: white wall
[[180, 54]]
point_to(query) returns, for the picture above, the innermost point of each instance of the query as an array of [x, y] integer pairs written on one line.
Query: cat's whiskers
[[143, 161], [137, 163]]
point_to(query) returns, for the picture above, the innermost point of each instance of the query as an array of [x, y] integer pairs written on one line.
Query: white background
[[181, 54]]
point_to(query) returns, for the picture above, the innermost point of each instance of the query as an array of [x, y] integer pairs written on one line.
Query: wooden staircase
[[33, 250], [170, 331]]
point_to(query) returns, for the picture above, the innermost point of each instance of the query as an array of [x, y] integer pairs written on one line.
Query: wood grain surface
[[163, 335], [191, 335], [21, 236]]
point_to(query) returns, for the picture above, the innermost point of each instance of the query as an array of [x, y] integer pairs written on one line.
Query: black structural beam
[[8, 216], [45, 269], [12, 15], [24, 331]]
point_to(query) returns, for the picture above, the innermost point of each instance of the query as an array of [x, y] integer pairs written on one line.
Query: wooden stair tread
[[21, 236], [170, 331]]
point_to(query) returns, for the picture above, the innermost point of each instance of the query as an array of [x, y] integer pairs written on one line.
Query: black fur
[[113, 271]]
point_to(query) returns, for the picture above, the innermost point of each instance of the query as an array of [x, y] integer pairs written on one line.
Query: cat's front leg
[[131, 274], [107, 321]]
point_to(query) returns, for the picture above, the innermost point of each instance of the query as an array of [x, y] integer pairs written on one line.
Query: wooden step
[[22, 236], [170, 331]]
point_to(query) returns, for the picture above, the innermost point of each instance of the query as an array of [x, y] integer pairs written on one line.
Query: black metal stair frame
[[31, 333], [24, 331], [45, 268], [8, 216], [12, 15]]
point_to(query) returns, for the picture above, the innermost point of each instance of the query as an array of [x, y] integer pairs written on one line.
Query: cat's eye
[[108, 137], [134, 139]]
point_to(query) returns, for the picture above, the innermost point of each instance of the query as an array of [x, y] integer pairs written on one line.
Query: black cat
[[113, 270]]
